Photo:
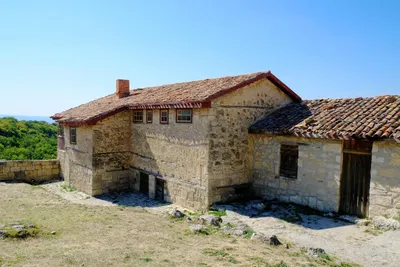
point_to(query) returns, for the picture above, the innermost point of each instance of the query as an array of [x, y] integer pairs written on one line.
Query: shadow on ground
[[131, 199], [291, 213]]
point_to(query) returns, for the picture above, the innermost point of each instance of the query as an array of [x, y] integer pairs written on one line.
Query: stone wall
[[112, 153], [177, 152], [230, 117], [76, 159], [385, 179], [319, 164], [35, 171]]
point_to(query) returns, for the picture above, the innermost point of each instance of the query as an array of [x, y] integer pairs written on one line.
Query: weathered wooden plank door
[[356, 176]]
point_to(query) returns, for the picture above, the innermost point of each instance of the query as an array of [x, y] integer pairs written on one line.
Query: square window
[[184, 115], [138, 116], [164, 116], [289, 158], [149, 116], [72, 135]]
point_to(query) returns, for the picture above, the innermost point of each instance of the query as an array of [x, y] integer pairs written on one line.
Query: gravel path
[[345, 240]]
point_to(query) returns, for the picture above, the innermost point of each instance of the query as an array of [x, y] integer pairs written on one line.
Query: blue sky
[[59, 54]]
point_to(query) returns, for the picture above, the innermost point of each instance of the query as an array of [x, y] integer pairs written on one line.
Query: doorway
[[356, 177], [144, 183], [160, 186]]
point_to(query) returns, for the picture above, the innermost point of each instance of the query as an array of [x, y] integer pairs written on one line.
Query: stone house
[[201, 142], [338, 155], [185, 143]]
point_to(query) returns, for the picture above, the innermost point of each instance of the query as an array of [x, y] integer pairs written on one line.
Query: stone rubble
[[19, 228], [385, 224]]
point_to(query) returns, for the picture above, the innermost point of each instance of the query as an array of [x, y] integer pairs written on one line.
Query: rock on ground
[[198, 228]]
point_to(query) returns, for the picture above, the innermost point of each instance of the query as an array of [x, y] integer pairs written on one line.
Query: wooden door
[[144, 183], [356, 176]]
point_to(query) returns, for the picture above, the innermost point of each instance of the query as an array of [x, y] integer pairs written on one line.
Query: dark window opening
[[164, 116], [289, 158], [72, 135], [184, 115]]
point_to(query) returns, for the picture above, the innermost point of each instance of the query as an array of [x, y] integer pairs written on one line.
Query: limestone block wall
[[319, 164], [230, 117], [385, 180], [76, 159], [29, 170], [112, 154], [177, 152]]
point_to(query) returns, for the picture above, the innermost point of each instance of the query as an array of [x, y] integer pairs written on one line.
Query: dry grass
[[111, 236]]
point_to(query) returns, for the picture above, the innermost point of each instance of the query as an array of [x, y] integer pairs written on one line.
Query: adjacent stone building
[[201, 142], [339, 155]]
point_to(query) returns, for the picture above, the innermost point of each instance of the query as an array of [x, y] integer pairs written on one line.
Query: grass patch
[[68, 188], [146, 259], [218, 213], [214, 252], [249, 233], [192, 213], [373, 231], [280, 264], [257, 259]]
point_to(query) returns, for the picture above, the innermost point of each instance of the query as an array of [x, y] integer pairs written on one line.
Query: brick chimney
[[122, 89]]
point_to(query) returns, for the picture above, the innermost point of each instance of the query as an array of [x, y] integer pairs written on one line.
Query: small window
[[164, 116], [184, 115], [72, 135], [138, 116], [149, 116], [289, 157]]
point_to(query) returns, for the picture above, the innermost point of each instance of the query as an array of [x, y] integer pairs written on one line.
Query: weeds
[[249, 233], [68, 188], [214, 252], [218, 213]]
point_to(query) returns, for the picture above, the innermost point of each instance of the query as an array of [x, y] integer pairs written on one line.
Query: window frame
[[183, 121], [147, 116], [291, 152], [73, 136], [161, 111], [135, 111]]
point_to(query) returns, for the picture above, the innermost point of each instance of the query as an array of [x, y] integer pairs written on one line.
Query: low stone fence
[[33, 171]]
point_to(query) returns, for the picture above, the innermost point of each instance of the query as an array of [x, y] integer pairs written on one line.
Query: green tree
[[23, 140]]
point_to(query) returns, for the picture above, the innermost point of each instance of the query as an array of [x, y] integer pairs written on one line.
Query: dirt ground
[[362, 244], [120, 235]]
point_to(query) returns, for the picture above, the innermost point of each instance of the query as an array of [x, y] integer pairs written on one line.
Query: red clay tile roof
[[370, 118], [187, 94]]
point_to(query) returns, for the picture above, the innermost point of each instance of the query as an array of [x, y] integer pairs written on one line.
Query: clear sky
[[55, 55]]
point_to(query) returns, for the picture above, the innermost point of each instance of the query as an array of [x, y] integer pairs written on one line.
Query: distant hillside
[[23, 140], [29, 118]]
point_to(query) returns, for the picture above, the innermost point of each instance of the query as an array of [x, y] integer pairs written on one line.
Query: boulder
[[316, 252], [274, 241], [177, 213]]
